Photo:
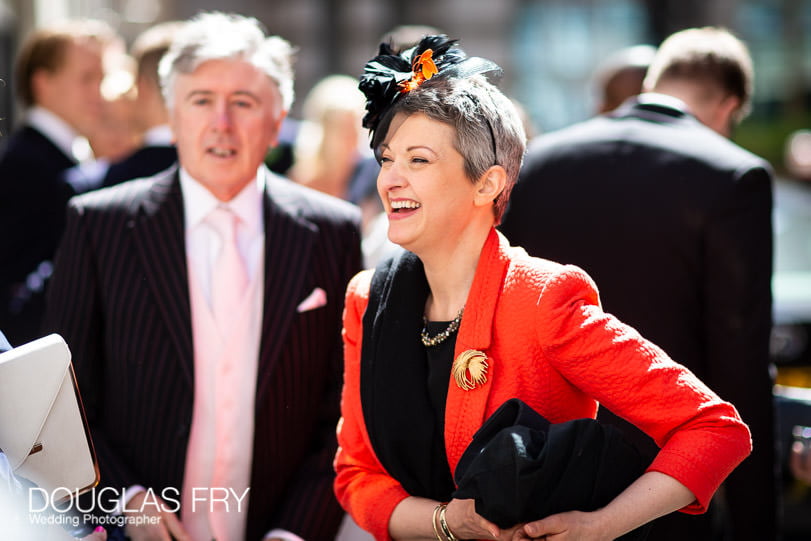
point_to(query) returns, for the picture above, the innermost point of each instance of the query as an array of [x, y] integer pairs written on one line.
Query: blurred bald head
[[620, 76]]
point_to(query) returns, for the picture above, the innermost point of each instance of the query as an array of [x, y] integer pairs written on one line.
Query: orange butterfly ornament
[[423, 68]]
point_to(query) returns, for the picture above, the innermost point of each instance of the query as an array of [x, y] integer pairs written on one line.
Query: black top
[[440, 359]]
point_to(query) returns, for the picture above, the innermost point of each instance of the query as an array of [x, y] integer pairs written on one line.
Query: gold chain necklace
[[428, 341]]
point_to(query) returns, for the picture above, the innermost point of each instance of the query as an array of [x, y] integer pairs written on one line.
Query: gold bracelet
[[434, 521], [444, 525]]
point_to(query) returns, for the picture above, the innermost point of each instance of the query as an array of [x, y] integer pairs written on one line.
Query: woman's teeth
[[402, 204]]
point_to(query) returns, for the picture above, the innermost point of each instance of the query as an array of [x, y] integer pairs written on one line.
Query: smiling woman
[[419, 184], [460, 301]]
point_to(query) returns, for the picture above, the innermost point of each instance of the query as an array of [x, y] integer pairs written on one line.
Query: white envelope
[[43, 430]]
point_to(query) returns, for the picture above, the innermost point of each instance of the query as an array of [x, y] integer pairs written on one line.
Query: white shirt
[[664, 99], [203, 242], [54, 128], [159, 136], [203, 245], [88, 173]]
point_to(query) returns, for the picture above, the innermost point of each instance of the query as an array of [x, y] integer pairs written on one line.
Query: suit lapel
[[466, 411], [159, 237], [48, 150], [289, 240]]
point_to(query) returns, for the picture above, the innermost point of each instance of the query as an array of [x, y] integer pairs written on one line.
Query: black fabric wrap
[[520, 467], [395, 400]]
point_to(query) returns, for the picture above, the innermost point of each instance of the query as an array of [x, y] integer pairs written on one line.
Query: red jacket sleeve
[[362, 486], [702, 437]]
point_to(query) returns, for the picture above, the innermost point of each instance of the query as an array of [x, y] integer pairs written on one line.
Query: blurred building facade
[[548, 48]]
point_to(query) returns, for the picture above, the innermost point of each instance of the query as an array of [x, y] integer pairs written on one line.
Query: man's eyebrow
[[246, 93], [203, 92], [196, 92]]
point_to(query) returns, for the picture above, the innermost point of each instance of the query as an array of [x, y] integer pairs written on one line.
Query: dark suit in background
[[673, 222], [120, 299], [33, 198], [58, 74], [144, 162], [157, 152]]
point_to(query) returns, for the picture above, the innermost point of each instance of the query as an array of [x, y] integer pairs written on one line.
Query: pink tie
[[229, 279]]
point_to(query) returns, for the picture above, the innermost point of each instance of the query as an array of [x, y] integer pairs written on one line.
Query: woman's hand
[[569, 526], [411, 519], [465, 523], [651, 496]]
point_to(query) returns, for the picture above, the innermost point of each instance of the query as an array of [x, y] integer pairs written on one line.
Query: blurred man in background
[[151, 117], [673, 221], [58, 77], [620, 76]]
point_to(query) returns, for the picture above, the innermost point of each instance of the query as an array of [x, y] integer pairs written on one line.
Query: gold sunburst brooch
[[470, 369]]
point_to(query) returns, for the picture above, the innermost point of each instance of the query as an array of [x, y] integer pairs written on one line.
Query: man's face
[[73, 90], [226, 114]]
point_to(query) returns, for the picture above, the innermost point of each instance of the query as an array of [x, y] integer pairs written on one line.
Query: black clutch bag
[[521, 468]]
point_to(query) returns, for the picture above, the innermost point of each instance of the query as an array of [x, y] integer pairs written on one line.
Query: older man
[[673, 221], [203, 308]]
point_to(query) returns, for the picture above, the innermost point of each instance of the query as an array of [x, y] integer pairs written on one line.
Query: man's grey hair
[[216, 36]]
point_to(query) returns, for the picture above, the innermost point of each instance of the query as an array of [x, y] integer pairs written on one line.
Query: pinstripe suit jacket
[[119, 297]]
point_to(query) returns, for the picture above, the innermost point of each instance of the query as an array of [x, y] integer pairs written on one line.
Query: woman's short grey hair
[[215, 36], [488, 127]]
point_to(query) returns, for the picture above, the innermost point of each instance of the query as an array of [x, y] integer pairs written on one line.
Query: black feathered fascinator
[[390, 75]]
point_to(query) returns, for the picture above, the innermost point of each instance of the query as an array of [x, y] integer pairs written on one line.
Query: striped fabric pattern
[[119, 297]]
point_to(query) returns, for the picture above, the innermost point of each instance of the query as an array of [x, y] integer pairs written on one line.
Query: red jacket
[[549, 343]]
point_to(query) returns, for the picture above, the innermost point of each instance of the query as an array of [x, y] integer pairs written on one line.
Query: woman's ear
[[490, 185]]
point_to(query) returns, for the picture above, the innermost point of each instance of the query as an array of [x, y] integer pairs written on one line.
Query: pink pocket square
[[316, 299]]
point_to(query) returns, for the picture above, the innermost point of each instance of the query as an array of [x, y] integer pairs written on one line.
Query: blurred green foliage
[[767, 137]]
